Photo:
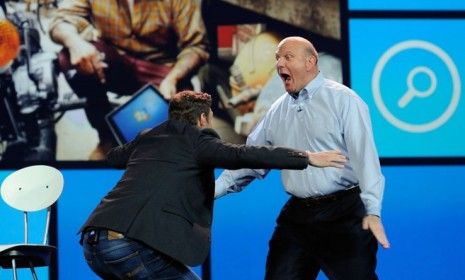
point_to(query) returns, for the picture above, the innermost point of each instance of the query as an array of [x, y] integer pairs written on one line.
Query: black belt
[[318, 200], [94, 234]]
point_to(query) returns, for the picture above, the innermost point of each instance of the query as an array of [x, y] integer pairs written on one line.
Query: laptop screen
[[145, 109]]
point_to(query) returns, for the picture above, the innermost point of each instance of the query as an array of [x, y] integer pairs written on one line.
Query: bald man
[[332, 220]]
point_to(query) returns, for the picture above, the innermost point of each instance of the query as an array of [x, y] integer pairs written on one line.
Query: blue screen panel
[[420, 205], [242, 225], [12, 231], [410, 73], [423, 214], [412, 5], [82, 192]]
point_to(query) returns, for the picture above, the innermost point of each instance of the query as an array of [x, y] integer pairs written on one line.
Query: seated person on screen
[[120, 46]]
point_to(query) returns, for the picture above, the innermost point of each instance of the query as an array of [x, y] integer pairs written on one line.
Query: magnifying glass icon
[[412, 91]]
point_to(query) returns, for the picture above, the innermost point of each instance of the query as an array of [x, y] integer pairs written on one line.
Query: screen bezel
[[118, 134]]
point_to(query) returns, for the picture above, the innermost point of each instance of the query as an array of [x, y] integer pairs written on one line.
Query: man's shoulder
[[192, 132], [339, 90], [336, 86], [281, 101]]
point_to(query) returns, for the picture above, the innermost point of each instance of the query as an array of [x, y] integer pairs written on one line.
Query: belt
[[94, 235], [318, 200], [112, 235]]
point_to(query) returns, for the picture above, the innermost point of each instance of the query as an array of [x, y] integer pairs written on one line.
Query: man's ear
[[310, 62], [202, 120]]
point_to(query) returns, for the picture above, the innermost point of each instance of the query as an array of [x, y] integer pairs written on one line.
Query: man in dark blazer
[[156, 221]]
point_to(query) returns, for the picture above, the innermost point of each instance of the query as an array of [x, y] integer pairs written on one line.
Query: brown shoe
[[100, 152]]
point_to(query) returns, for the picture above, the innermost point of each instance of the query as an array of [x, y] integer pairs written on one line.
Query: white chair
[[30, 189]]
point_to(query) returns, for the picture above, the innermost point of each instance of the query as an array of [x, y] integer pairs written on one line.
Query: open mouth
[[285, 77]]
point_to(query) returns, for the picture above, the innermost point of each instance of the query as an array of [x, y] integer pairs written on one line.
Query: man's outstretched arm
[[232, 181]]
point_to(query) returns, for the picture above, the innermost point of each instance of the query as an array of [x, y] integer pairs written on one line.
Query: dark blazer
[[165, 197]]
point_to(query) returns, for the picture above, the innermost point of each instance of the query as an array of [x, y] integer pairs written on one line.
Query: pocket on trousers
[[122, 259], [116, 251], [127, 267]]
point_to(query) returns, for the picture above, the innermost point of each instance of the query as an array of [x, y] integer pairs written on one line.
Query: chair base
[[26, 255]]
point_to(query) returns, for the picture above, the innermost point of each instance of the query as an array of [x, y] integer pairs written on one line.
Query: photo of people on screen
[[80, 60]]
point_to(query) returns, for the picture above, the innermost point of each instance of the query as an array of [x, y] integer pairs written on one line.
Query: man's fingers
[[96, 70], [379, 234], [376, 227], [338, 160], [100, 70], [336, 163], [365, 224], [99, 65], [86, 66], [327, 159]]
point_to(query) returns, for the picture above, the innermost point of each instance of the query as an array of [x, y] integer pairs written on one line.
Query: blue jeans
[[124, 258]]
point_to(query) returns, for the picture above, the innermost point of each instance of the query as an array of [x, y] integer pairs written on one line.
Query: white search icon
[[412, 91]]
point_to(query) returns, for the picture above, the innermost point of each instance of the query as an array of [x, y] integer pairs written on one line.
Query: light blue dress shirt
[[325, 115]]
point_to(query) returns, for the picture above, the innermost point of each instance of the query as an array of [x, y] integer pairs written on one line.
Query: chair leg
[[13, 265], [34, 275]]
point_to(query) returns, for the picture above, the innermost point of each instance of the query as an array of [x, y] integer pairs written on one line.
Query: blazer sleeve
[[211, 151], [118, 157]]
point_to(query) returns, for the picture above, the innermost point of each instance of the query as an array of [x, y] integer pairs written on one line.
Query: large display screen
[[410, 72], [422, 215], [49, 123], [423, 5], [421, 206], [83, 191], [247, 81], [12, 232]]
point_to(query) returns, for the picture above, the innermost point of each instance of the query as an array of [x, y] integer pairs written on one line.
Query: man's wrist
[[309, 156], [72, 40], [374, 215]]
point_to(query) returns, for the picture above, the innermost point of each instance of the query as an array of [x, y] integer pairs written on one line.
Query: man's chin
[[290, 90]]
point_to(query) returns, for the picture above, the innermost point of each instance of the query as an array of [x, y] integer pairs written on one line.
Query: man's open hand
[[327, 159], [373, 223]]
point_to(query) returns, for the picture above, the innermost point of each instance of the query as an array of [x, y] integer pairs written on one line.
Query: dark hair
[[187, 106]]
